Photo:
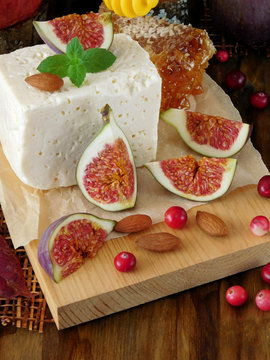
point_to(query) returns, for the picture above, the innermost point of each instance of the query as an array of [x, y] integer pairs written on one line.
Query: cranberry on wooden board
[[259, 225], [264, 186], [176, 217], [124, 261]]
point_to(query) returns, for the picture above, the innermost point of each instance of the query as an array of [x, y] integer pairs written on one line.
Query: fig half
[[93, 30], [106, 172], [205, 180], [209, 135], [66, 243]]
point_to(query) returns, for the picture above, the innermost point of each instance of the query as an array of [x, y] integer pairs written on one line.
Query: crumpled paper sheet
[[29, 211]]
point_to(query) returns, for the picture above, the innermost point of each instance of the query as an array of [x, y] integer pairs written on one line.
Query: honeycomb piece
[[180, 53]]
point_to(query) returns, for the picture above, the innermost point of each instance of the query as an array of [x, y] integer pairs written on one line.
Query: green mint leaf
[[77, 74], [74, 49], [97, 59], [77, 62], [56, 64]]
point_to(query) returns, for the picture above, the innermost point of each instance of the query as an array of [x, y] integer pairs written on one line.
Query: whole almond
[[160, 242], [211, 224], [133, 223], [45, 81]]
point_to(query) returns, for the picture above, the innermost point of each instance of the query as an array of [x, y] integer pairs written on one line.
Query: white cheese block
[[44, 134]]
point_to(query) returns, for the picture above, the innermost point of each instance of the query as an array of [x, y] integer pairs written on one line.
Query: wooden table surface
[[195, 324]]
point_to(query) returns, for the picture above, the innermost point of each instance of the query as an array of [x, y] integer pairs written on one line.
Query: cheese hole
[[77, 108], [40, 153]]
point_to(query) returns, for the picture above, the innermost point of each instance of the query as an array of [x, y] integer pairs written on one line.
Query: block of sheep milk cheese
[[44, 134]]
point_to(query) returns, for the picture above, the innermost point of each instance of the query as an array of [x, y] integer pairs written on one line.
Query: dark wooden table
[[195, 324]]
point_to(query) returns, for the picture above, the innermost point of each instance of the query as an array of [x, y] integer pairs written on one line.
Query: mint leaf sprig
[[77, 62]]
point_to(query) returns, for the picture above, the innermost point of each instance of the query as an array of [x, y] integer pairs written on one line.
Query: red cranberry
[[222, 56], [262, 300], [124, 261], [259, 225], [264, 186], [236, 295], [235, 79], [259, 100], [176, 217], [266, 273]]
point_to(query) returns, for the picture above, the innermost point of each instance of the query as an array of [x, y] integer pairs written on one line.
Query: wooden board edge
[[165, 285]]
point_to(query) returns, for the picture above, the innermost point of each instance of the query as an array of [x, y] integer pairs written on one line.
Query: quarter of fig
[[209, 135], [204, 180], [93, 30], [66, 243], [106, 172]]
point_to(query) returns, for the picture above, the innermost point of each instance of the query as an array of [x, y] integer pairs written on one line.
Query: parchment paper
[[28, 211]]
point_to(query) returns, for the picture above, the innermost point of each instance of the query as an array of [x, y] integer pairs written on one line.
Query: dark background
[[60, 8]]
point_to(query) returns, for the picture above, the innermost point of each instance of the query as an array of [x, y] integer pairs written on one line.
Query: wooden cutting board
[[98, 289]]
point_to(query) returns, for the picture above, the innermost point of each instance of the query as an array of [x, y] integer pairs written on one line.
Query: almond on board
[[211, 224], [133, 223], [161, 241]]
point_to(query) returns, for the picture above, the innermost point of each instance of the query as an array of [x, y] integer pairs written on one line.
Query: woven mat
[[21, 312], [32, 314]]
